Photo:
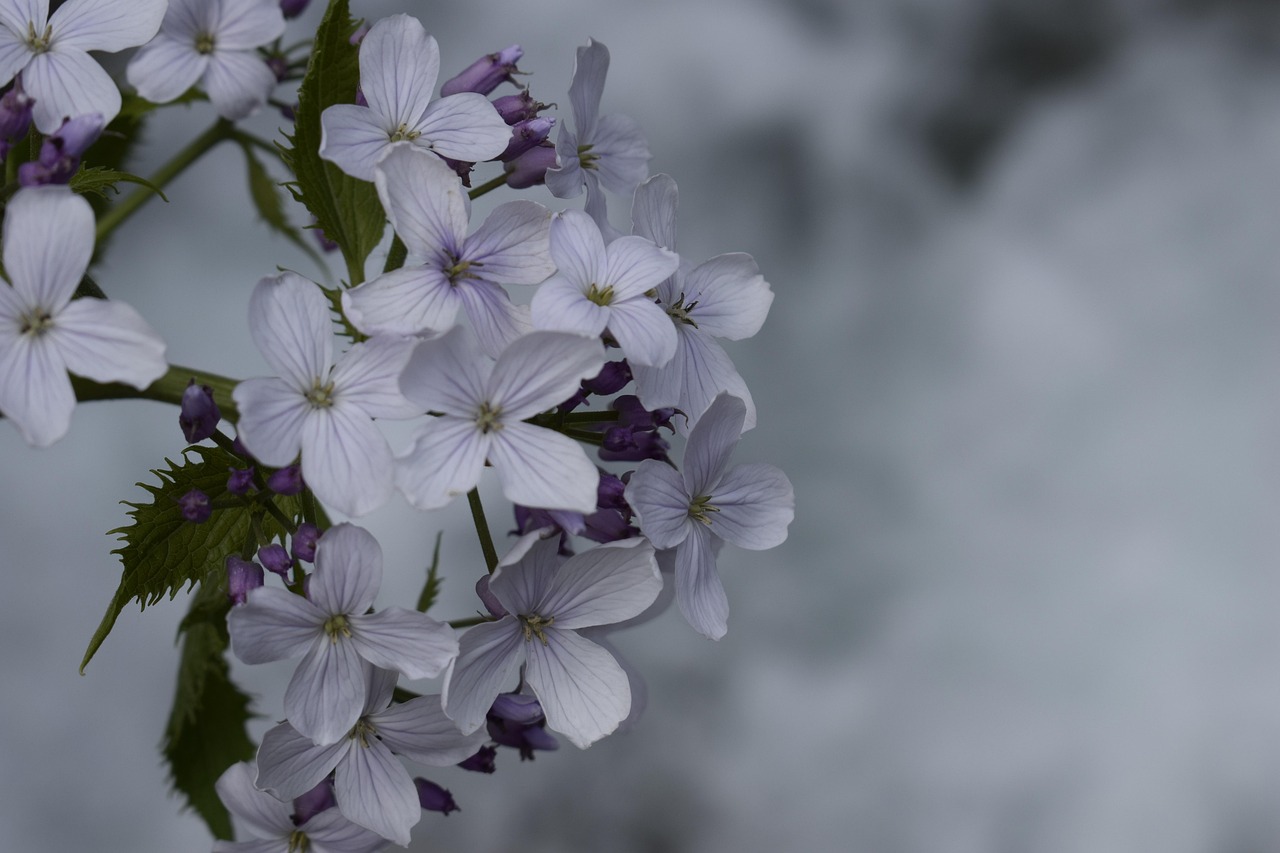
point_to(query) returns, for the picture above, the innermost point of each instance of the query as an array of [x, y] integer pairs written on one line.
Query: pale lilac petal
[[597, 207], [260, 811], [566, 179], [524, 577], [407, 301], [496, 321], [348, 570], [399, 64], [513, 244], [289, 764], [406, 641], [542, 468], [106, 25], [623, 153], [67, 84], [424, 201], [707, 372], [589, 71], [289, 322], [639, 689], [375, 791], [421, 731], [346, 459], [608, 584], [444, 461], [489, 655], [699, 593], [165, 68], [35, 392], [653, 211], [272, 413], [109, 342], [577, 249], [353, 139], [644, 331], [185, 19], [561, 305], [273, 624], [541, 370], [463, 127], [756, 503], [582, 689], [14, 53], [331, 832], [368, 376], [237, 82], [732, 297], [711, 443], [17, 14], [657, 495], [326, 694], [48, 240], [660, 387], [447, 374], [246, 24], [382, 688], [635, 265], [279, 844]]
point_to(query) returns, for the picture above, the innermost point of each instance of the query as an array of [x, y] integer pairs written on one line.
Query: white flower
[[331, 628], [48, 240], [399, 64], [749, 505], [324, 412], [482, 410], [428, 209], [51, 53], [583, 691], [214, 42]]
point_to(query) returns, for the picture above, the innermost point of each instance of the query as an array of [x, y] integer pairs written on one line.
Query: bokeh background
[[1021, 368]]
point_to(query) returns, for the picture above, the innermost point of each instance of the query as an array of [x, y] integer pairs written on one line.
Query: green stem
[[166, 389], [469, 622], [589, 418], [482, 529], [488, 186], [255, 142], [113, 218]]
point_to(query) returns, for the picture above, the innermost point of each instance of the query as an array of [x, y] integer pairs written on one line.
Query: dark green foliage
[[431, 590], [97, 180], [266, 200]]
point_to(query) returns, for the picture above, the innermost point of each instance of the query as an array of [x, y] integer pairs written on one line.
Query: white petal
[[577, 249], [644, 331], [68, 83], [35, 392], [421, 731], [289, 322], [756, 503], [331, 832], [326, 694], [48, 240], [411, 643], [348, 570], [495, 319], [653, 211], [246, 24], [353, 138], [106, 25], [634, 265], [589, 70], [273, 624], [444, 461], [289, 764], [368, 376], [542, 468], [346, 460], [524, 576], [271, 416], [17, 14], [185, 19], [711, 443], [14, 55], [707, 372], [407, 301], [425, 202], [463, 127], [566, 179], [560, 305], [582, 689], [699, 593], [262, 812], [514, 244], [237, 82], [541, 370], [447, 374], [623, 153], [374, 790], [659, 387], [732, 297], [109, 342], [399, 64], [165, 68], [657, 495], [608, 584], [489, 655]]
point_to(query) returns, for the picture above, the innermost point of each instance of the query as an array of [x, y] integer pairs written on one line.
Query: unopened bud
[[303, 545], [292, 9], [195, 507], [433, 798], [525, 135], [240, 482], [60, 153], [517, 108], [275, 558], [198, 414], [530, 168], [486, 73], [242, 576], [15, 111], [286, 481]]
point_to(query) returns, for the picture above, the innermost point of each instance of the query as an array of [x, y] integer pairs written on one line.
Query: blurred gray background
[[1021, 368]]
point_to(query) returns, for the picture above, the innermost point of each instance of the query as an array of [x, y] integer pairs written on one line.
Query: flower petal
[[622, 152], [653, 211], [237, 82], [35, 392], [582, 689], [463, 127], [756, 503], [374, 790], [346, 459], [289, 322], [48, 240], [272, 413], [425, 202], [326, 694], [262, 812], [488, 657], [68, 83], [699, 593], [577, 249], [657, 495], [109, 342], [17, 14], [708, 372], [273, 624], [444, 461], [542, 468], [421, 731], [560, 305], [495, 319], [514, 244], [165, 68], [447, 374], [540, 370], [289, 764], [635, 265], [354, 139], [711, 443], [247, 24], [610, 583], [368, 376], [644, 331], [399, 64], [587, 85], [732, 297], [407, 641], [14, 53], [106, 25], [523, 579], [407, 301], [348, 570]]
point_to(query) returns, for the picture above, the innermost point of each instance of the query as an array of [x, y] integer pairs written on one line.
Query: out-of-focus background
[[1021, 367]]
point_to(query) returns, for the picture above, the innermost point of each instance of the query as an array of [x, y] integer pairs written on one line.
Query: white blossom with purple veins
[[271, 822], [583, 690], [214, 43], [482, 407], [749, 505], [725, 297], [399, 64], [48, 240], [600, 288], [372, 787], [52, 52], [601, 150], [331, 629], [324, 411], [429, 210]]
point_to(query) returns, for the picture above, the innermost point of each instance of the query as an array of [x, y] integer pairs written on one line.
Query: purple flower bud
[[517, 108], [482, 762], [292, 9], [195, 506], [279, 67], [326, 245], [490, 600], [198, 414], [486, 73], [610, 491], [60, 153], [525, 135], [632, 444], [516, 720], [15, 111], [433, 798], [275, 558], [611, 379], [303, 545], [238, 448], [360, 101], [241, 481], [286, 481], [461, 168], [318, 799], [358, 36], [519, 708], [530, 168], [242, 576]]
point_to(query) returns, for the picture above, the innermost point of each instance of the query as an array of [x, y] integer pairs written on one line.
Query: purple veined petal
[[237, 82], [524, 576], [348, 570], [622, 152], [699, 593], [165, 68], [513, 244], [375, 791], [756, 503], [406, 641], [634, 265], [443, 462], [278, 844], [399, 64], [653, 211], [368, 376], [582, 689], [732, 298], [597, 207], [109, 342], [289, 764], [644, 331], [331, 832], [540, 370], [542, 468], [17, 14], [496, 321], [48, 240], [421, 731], [407, 301], [106, 25], [578, 250], [424, 201], [488, 657], [608, 584], [707, 372], [561, 305], [447, 374], [14, 53], [185, 19], [382, 688], [272, 413], [711, 443], [589, 71], [658, 496], [289, 323], [326, 694], [464, 127], [566, 179], [346, 459], [35, 392], [639, 689], [68, 83], [661, 387], [353, 139], [274, 624], [260, 811], [247, 24]]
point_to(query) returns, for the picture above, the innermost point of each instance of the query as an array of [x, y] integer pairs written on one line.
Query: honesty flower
[[399, 64], [51, 52], [749, 505], [583, 691], [336, 635], [214, 42], [48, 240], [427, 208]]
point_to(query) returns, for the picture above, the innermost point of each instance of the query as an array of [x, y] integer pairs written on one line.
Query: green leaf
[[266, 200], [163, 552], [346, 208], [99, 179], [206, 730], [431, 591]]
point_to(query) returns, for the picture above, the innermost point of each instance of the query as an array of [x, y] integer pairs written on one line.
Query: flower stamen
[[700, 507], [534, 625], [600, 295], [335, 626]]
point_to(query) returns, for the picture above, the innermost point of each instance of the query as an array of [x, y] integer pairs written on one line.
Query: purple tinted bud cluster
[[60, 153], [318, 799], [611, 522], [519, 107], [279, 67], [287, 481], [486, 73], [530, 168], [484, 761], [611, 379], [516, 720], [15, 115], [242, 576], [525, 135], [195, 507], [293, 8], [434, 798], [635, 436], [198, 414], [240, 482], [303, 546], [275, 558]]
